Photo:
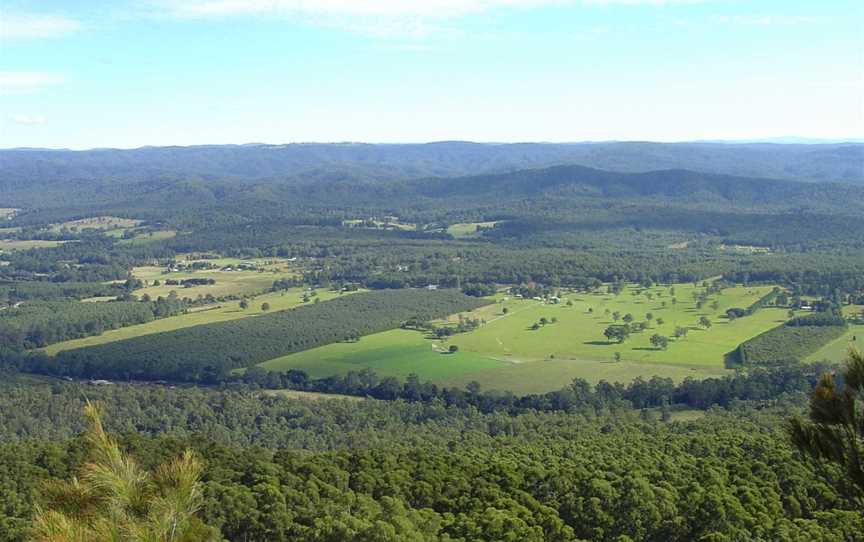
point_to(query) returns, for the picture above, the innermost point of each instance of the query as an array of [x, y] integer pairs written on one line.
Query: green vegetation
[[209, 352], [283, 470], [507, 353], [397, 352], [208, 314], [792, 342], [470, 229], [24, 244]]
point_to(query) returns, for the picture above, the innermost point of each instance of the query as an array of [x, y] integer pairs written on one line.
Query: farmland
[[231, 276], [24, 244], [506, 353], [220, 312]]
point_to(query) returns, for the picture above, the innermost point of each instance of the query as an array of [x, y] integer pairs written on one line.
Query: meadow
[[506, 353], [16, 244], [838, 348]]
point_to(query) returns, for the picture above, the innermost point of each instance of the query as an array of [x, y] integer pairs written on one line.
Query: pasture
[[101, 223], [506, 353], [397, 352], [237, 281], [219, 312], [837, 349], [468, 229], [15, 244]]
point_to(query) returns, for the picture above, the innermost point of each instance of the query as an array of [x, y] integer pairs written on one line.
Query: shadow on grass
[[600, 343]]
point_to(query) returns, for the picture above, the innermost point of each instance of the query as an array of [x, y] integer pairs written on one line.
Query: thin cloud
[[770, 20], [28, 120], [23, 26], [27, 82], [377, 8]]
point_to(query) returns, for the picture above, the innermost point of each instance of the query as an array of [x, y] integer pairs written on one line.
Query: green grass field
[[397, 352], [205, 315], [506, 354], [837, 349]]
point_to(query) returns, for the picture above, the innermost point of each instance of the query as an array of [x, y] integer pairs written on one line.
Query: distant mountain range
[[23, 171]]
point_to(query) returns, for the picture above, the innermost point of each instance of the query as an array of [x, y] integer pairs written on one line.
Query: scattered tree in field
[[618, 334], [649, 316], [113, 498], [674, 300], [505, 310], [607, 312], [265, 307], [628, 318], [680, 332], [835, 430], [536, 326], [453, 349], [244, 304], [705, 322], [543, 321], [715, 305], [660, 321], [569, 303], [617, 356], [659, 341]]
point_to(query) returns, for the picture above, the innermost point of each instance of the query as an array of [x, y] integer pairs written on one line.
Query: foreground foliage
[[113, 499], [835, 431]]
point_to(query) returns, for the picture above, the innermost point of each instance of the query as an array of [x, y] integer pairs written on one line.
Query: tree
[[835, 430], [649, 316], [453, 349], [680, 332], [265, 307], [628, 318], [617, 356], [616, 316], [543, 321], [505, 310], [659, 341], [244, 304], [114, 499], [660, 321], [618, 334], [705, 322]]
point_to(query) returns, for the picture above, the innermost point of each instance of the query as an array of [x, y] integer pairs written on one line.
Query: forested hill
[[24, 169], [671, 185]]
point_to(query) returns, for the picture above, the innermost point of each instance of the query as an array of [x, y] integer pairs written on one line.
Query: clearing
[[507, 354]]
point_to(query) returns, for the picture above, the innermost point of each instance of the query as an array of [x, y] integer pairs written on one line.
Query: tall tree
[[835, 430], [113, 499]]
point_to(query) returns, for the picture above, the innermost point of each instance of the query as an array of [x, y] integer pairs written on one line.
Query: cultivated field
[[506, 353], [238, 281], [468, 229], [220, 312], [102, 223], [837, 349], [15, 244]]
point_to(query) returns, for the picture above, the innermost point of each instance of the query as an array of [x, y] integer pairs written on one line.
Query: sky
[[128, 73]]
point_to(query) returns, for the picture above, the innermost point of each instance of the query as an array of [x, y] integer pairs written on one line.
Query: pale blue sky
[[118, 73]]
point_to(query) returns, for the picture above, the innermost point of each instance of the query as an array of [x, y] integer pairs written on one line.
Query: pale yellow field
[[245, 282], [14, 244], [96, 223]]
